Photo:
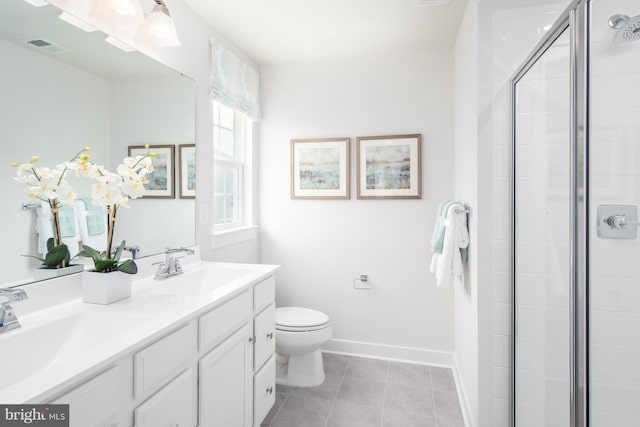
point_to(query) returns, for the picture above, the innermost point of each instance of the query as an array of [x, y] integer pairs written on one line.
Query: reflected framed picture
[[161, 181], [187, 170], [320, 168], [389, 167]]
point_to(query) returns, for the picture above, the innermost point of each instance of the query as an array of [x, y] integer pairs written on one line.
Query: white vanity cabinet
[[237, 385], [226, 382], [99, 401], [264, 364], [215, 368]]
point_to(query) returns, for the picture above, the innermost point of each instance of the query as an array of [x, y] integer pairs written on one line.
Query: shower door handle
[[620, 222]]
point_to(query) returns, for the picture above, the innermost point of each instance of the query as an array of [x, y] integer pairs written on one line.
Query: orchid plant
[[113, 191], [51, 187]]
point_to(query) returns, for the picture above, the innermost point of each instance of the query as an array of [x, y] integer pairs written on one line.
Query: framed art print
[[187, 170], [161, 181], [320, 168], [389, 167]]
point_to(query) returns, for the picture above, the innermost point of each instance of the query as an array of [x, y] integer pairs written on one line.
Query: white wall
[[51, 110], [465, 178], [323, 245], [156, 111]]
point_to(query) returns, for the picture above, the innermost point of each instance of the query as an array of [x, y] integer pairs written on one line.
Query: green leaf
[[50, 243], [34, 257], [128, 267], [118, 254], [88, 251], [56, 256], [105, 265]]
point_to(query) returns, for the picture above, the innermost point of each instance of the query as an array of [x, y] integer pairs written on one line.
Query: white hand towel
[[456, 236], [95, 241], [43, 227]]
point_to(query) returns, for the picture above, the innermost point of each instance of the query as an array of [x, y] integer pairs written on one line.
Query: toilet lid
[[298, 317]]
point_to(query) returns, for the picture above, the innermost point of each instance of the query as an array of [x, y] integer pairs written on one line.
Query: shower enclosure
[[576, 193]]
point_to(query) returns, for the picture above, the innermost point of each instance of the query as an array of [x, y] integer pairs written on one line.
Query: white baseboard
[[396, 353], [415, 355], [462, 394]]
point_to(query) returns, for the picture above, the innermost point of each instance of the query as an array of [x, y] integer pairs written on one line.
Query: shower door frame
[[576, 19]]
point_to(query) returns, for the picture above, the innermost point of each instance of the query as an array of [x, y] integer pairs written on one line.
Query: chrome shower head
[[628, 28]]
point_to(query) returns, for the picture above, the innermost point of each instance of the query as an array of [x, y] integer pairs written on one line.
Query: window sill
[[233, 236]]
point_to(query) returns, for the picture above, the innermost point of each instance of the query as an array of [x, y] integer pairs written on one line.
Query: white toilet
[[300, 333]]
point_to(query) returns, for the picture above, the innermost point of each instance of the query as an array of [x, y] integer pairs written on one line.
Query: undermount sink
[[206, 278], [37, 346]]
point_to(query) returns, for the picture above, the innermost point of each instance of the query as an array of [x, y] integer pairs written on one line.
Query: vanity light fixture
[[160, 25], [37, 3], [123, 11], [119, 44], [79, 23]]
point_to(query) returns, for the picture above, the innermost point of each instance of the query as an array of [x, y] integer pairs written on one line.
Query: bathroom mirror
[[68, 89]]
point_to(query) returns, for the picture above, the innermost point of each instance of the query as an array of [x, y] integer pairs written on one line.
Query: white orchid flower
[[133, 188]]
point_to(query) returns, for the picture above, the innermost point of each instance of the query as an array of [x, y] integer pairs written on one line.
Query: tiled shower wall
[[614, 171], [614, 179]]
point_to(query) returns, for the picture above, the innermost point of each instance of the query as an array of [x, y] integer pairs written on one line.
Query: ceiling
[[87, 51], [285, 31]]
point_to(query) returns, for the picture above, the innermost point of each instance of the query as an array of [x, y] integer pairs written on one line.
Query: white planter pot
[[50, 273], [105, 288]]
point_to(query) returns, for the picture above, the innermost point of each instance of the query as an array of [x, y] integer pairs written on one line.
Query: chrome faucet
[[8, 319], [135, 251], [171, 265]]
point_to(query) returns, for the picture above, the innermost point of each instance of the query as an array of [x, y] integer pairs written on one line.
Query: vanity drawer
[[219, 323], [97, 402], [264, 329], [160, 362], [264, 390], [264, 293], [174, 405]]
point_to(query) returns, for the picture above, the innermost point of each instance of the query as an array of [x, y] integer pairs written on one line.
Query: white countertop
[[61, 343]]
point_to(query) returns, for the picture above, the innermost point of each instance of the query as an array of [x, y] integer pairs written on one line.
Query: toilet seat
[[298, 319]]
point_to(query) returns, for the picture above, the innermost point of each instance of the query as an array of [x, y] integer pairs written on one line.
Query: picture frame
[[161, 181], [320, 168], [389, 167], [187, 170]]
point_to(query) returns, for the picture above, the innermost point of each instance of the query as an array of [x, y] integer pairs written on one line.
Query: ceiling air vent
[[427, 3], [45, 45]]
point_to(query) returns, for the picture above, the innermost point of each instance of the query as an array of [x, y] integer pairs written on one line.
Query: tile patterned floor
[[370, 393]]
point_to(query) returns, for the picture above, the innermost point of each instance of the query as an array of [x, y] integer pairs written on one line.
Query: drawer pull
[[270, 335], [252, 339], [270, 390]]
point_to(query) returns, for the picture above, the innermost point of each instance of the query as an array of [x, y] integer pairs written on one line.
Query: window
[[232, 138]]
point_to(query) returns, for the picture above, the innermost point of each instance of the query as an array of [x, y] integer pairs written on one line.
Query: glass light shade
[[122, 11], [161, 26]]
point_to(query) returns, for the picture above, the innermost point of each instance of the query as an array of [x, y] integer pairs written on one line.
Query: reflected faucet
[[8, 320], [135, 251], [171, 265]]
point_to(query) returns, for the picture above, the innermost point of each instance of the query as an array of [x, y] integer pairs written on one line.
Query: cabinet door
[[265, 332], [173, 406], [264, 390], [226, 382], [99, 402]]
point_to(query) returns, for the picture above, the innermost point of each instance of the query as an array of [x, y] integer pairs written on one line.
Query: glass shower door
[[542, 203]]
